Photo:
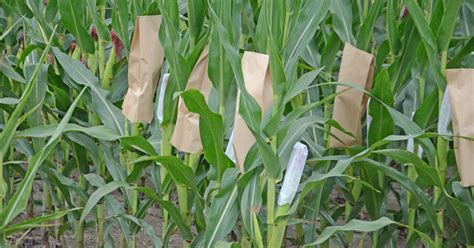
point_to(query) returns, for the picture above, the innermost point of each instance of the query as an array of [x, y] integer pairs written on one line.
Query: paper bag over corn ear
[[357, 67], [144, 65], [186, 136], [256, 72], [461, 92]]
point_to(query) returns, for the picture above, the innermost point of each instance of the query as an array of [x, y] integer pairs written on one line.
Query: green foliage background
[[61, 126]]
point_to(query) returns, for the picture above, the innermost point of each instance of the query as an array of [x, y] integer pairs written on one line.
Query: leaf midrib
[[221, 218]]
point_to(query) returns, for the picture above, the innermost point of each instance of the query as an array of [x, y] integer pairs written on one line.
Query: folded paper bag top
[[144, 65], [357, 67], [186, 136], [461, 90], [256, 72]]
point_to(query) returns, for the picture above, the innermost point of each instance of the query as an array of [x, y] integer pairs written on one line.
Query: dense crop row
[[245, 123]]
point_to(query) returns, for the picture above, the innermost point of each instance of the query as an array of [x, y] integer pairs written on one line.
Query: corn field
[[243, 123]]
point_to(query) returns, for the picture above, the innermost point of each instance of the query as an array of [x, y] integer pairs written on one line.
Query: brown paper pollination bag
[[186, 136], [461, 91], [144, 65], [258, 83], [357, 67]]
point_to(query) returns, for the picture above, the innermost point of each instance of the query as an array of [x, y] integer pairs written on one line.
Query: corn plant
[[75, 172]]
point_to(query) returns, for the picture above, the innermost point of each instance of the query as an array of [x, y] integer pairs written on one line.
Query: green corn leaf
[[409, 185], [329, 52], [317, 180], [426, 172], [73, 17], [270, 25], [9, 72], [35, 222], [116, 209], [110, 115], [428, 111], [422, 25], [38, 13], [465, 51], [250, 201], [170, 39], [146, 227], [139, 143], [463, 202], [9, 101], [8, 131], [120, 21], [353, 225], [399, 71], [365, 34], [467, 17], [36, 101], [224, 210], [392, 28], [300, 85], [114, 168], [313, 13], [102, 30], [180, 173], [428, 39], [66, 185], [170, 11], [20, 198], [411, 128], [364, 226], [212, 131], [98, 132], [274, 12], [382, 123], [448, 23], [220, 72], [437, 16], [463, 194], [98, 195], [294, 134], [9, 29], [196, 14], [51, 11], [172, 210], [464, 215], [373, 198], [278, 77], [342, 20]]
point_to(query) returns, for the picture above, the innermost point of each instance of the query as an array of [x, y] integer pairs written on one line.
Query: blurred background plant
[[75, 173]]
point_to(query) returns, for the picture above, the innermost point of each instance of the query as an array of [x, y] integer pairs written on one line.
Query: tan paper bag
[[461, 92], [256, 72], [186, 136], [357, 67], [144, 65]]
